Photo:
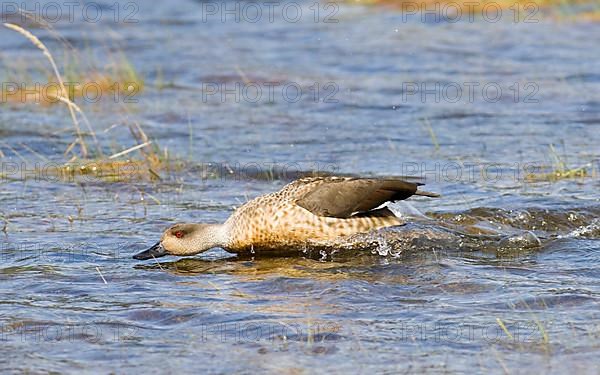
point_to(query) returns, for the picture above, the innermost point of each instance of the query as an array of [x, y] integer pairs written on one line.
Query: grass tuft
[[62, 95], [119, 166], [557, 170]]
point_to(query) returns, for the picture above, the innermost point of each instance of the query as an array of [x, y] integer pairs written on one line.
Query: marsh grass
[[81, 81], [83, 162], [62, 94], [118, 81], [558, 169], [427, 126], [119, 167]]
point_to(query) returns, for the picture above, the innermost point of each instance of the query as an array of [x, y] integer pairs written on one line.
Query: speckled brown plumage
[[313, 212], [315, 209]]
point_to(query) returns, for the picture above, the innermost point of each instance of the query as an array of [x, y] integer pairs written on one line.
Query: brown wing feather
[[344, 197]]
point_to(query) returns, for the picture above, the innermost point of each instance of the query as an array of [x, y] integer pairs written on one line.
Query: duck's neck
[[219, 235]]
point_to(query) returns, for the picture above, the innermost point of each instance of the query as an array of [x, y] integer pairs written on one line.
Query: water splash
[[591, 230]]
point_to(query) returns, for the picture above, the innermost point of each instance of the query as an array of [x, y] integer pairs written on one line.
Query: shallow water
[[500, 274]]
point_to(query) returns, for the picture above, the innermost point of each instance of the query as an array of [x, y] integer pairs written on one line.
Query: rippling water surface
[[501, 274]]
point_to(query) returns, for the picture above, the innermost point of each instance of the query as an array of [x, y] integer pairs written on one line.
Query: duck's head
[[184, 240]]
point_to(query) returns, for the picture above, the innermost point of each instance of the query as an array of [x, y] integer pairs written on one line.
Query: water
[[500, 274]]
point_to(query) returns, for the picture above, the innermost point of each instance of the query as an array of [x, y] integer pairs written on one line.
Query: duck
[[307, 211]]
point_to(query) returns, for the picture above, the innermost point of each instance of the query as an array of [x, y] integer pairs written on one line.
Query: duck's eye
[[179, 234]]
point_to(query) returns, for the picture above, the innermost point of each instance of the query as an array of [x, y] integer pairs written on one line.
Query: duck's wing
[[344, 197]]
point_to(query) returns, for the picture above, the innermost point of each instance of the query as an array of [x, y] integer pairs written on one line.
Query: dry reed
[[63, 95]]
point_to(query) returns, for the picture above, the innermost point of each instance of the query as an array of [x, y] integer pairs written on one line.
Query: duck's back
[[315, 209]]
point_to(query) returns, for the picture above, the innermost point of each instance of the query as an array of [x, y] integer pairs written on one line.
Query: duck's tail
[[427, 194]]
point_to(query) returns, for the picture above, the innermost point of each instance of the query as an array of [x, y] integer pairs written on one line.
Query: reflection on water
[[499, 274]]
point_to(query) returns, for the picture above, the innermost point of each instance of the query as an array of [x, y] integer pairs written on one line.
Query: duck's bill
[[155, 251]]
